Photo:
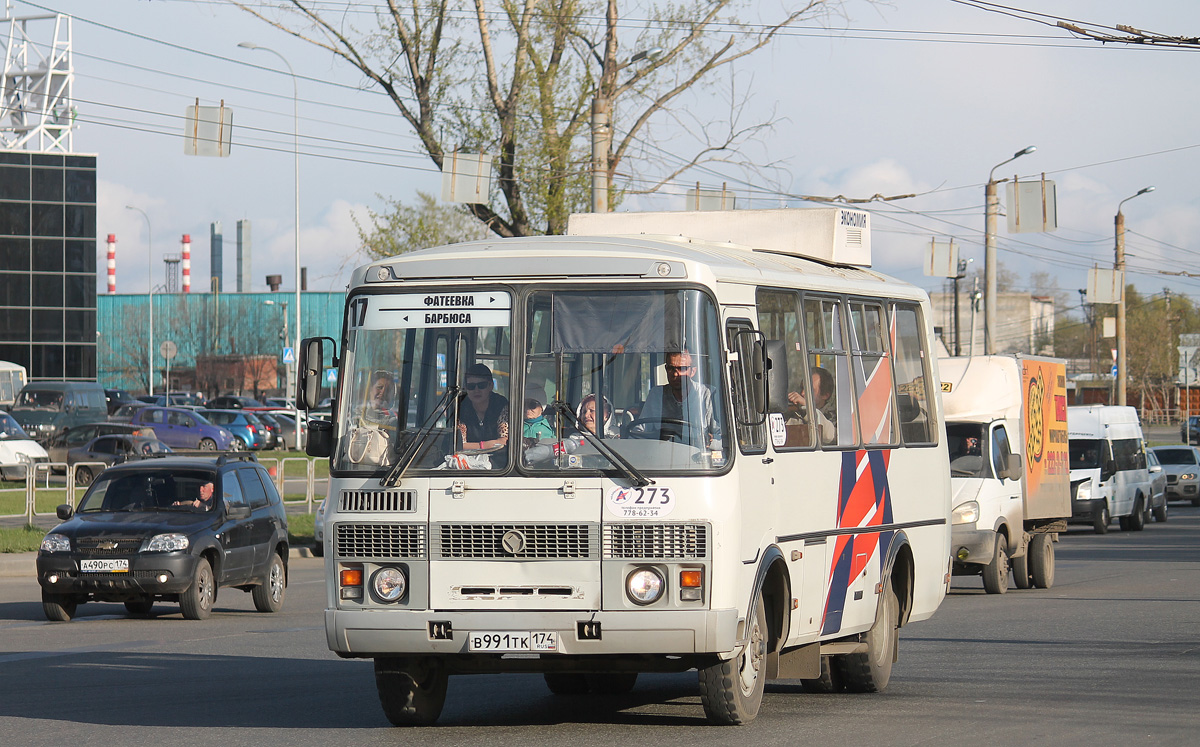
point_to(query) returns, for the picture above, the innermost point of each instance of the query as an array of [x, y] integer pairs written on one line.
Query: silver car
[[1182, 465]]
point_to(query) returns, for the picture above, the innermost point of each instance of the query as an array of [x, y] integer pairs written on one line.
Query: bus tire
[[870, 671], [995, 573], [411, 697], [566, 683], [732, 690], [828, 682], [1041, 560]]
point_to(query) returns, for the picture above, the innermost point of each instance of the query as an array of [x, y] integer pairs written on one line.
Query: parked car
[[274, 429], [1158, 486], [185, 429], [117, 397], [17, 450], [172, 529], [1182, 465], [1189, 430], [281, 403], [319, 529], [125, 412], [110, 450], [44, 408], [288, 429], [78, 435], [233, 402], [244, 425]]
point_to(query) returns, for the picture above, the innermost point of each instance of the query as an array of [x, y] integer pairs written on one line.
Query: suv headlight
[[56, 543], [166, 543], [1084, 491], [966, 513], [1188, 476]]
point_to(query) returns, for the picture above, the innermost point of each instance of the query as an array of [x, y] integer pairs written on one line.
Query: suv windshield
[[149, 490], [1176, 456]]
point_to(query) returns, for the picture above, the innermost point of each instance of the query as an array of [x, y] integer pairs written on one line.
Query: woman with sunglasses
[[483, 415]]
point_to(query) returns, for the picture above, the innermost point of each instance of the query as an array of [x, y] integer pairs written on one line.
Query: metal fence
[[50, 484]]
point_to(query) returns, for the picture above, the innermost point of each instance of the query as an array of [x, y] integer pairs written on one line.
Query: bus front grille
[[402, 501], [515, 541], [656, 541], [380, 541]]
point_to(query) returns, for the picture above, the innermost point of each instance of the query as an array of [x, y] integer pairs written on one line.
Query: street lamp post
[[150, 296], [991, 210], [296, 179], [1119, 266]]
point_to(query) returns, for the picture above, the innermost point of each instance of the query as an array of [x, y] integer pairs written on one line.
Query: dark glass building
[[48, 263]]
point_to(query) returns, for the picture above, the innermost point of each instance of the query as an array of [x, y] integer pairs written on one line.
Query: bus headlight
[[644, 586], [388, 584], [966, 513]]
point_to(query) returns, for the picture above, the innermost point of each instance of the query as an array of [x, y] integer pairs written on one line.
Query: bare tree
[[519, 79]]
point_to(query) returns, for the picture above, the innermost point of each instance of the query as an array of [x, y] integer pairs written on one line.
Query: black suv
[[233, 402], [171, 529]]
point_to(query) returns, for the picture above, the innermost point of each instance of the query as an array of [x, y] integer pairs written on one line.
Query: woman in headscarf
[[589, 418]]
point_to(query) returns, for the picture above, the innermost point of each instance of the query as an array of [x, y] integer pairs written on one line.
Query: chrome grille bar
[[656, 541], [379, 541]]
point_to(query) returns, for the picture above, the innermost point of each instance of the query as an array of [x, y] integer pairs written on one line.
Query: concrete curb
[[17, 564]]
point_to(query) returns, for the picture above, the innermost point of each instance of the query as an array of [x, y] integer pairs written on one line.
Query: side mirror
[[308, 384], [1155, 468], [64, 511], [777, 375], [320, 438], [1016, 466]]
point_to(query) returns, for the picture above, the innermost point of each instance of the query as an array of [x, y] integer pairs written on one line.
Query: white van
[[1108, 467]]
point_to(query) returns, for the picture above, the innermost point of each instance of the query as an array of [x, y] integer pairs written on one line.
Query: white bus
[[12, 378], [721, 512]]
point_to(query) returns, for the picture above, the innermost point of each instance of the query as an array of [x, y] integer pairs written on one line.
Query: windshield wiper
[[413, 447], [618, 461]]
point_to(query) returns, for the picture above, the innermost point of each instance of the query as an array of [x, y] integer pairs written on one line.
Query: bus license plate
[[508, 640], [106, 565]]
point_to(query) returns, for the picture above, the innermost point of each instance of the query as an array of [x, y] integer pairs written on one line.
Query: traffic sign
[[167, 349], [1114, 369], [289, 355]]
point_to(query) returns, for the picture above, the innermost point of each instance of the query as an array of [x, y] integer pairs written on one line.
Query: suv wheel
[[197, 602], [268, 596]]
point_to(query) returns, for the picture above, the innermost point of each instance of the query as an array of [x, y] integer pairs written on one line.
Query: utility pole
[[1119, 267], [991, 210], [960, 274]]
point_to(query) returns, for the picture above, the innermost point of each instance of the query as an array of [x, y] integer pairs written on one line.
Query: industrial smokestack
[[112, 263], [274, 281], [187, 263]]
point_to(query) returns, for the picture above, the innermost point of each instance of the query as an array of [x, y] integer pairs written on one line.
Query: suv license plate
[[115, 565], [508, 640]]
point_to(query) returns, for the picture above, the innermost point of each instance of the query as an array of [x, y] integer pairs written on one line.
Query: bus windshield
[[433, 378]]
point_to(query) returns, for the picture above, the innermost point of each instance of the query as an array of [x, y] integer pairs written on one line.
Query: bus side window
[[829, 370], [779, 319], [872, 371], [912, 383]]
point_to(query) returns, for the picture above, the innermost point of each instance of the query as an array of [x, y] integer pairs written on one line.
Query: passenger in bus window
[[536, 426], [587, 416], [822, 387], [483, 415], [370, 437], [680, 411]]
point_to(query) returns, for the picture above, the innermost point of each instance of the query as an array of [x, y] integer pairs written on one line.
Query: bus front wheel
[[732, 690]]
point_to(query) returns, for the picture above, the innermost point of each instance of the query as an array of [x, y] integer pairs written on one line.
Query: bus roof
[[603, 258]]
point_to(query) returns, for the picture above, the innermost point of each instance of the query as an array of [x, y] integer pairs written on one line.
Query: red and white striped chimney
[[187, 263], [112, 263]]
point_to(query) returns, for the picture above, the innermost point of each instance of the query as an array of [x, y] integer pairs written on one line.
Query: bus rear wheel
[[732, 690], [869, 671]]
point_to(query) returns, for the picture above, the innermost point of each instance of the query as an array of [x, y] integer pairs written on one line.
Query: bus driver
[[682, 410]]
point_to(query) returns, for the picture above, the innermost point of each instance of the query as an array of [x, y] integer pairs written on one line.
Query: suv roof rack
[[236, 456]]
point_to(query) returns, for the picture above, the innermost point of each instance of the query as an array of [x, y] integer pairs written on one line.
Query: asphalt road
[[1109, 656]]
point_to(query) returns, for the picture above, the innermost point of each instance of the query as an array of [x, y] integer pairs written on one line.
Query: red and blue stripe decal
[[864, 501]]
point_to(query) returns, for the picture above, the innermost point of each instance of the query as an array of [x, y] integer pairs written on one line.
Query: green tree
[[404, 228], [518, 79]]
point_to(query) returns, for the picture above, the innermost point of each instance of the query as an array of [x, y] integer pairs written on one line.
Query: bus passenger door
[[756, 476]]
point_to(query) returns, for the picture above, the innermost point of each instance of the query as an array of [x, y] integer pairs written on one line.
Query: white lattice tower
[[36, 105]]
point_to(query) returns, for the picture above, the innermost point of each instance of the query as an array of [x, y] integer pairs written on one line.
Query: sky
[[918, 97]]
